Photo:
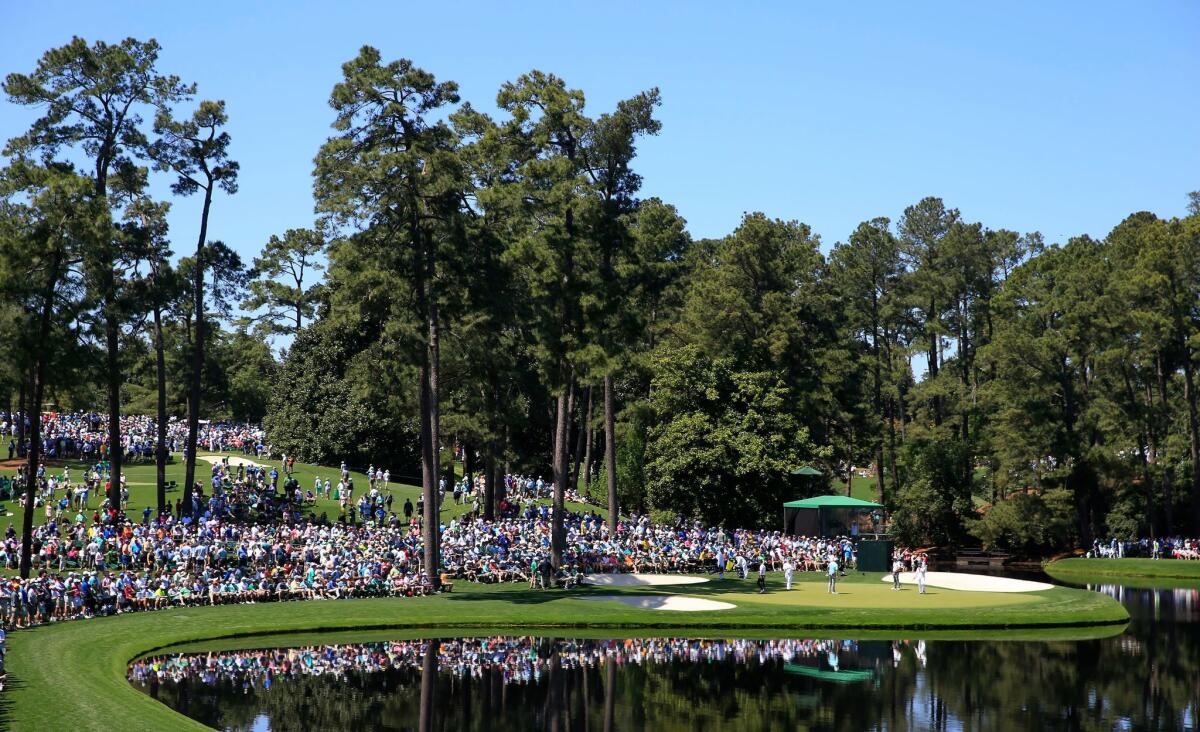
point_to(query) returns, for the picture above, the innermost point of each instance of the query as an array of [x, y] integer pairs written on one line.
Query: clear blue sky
[[1050, 116]]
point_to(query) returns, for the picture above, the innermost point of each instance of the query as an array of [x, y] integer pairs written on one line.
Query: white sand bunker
[[233, 460], [641, 580], [972, 582], [666, 602]]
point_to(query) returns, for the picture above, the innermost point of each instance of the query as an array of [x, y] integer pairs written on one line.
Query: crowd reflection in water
[[519, 660], [1181, 603], [1148, 679]]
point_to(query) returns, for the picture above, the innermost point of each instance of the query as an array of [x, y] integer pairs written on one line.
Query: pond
[[1147, 678]]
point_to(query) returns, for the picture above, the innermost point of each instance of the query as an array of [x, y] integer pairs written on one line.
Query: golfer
[[833, 570], [789, 567], [762, 576], [921, 577], [897, 567]]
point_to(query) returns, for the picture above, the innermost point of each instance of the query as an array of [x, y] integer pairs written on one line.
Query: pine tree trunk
[[423, 266], [931, 363], [197, 347], [610, 453], [964, 356], [1168, 469], [489, 483], [892, 447], [31, 467], [580, 439], [429, 678], [610, 695], [558, 537], [23, 409], [433, 511], [468, 465], [429, 477], [877, 392], [1145, 437], [1189, 393], [507, 445], [587, 451], [160, 442], [38, 375], [1152, 438], [113, 364]]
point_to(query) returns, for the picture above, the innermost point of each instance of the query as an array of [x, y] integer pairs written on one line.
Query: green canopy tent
[[831, 516], [847, 676]]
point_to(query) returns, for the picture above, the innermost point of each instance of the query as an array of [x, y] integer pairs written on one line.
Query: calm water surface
[[1145, 679]]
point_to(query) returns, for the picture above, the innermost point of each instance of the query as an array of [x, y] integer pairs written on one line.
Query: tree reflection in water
[[532, 683]]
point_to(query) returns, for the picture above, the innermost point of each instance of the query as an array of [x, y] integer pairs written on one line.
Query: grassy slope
[[72, 675], [141, 483], [1081, 570], [861, 488], [866, 489]]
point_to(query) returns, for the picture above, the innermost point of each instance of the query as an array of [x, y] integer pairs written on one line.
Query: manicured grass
[[72, 675], [864, 489], [1110, 570], [342, 637]]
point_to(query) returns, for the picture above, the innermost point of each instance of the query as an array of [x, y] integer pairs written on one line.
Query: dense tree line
[[493, 280]]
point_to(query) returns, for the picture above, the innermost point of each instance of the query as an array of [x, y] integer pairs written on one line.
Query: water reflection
[[1128, 682], [517, 659], [1168, 605]]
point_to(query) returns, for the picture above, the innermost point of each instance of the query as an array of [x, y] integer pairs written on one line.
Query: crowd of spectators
[[84, 436], [250, 534], [1176, 547], [110, 563]]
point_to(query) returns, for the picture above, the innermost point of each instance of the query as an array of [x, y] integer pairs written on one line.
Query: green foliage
[[632, 444], [936, 496], [1028, 524], [332, 401], [249, 369], [1123, 522], [725, 440], [282, 282]]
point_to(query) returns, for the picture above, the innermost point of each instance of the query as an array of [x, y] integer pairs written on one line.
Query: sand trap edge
[[972, 582]]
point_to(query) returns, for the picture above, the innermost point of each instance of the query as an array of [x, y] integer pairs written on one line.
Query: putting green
[[862, 595]]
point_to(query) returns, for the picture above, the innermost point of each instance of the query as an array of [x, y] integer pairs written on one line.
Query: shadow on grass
[[536, 597], [713, 588], [10, 684], [520, 597]]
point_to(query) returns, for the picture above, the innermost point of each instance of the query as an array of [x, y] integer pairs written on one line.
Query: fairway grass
[[1172, 572], [72, 675]]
